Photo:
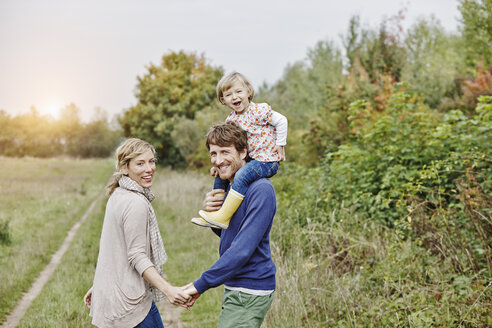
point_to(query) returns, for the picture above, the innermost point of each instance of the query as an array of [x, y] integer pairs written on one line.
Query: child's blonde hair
[[228, 80], [128, 150]]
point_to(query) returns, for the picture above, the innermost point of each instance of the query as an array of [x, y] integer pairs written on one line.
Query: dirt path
[[169, 312], [20, 309]]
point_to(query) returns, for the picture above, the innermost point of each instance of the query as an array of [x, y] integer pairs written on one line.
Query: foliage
[[477, 31], [69, 127], [480, 86], [29, 134], [338, 268], [302, 91], [36, 135], [5, 238], [189, 135], [96, 139], [413, 170], [180, 87], [429, 60], [433, 60], [380, 53]]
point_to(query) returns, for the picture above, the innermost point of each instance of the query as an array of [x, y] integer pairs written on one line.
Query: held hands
[[184, 296], [194, 294], [178, 296], [280, 150]]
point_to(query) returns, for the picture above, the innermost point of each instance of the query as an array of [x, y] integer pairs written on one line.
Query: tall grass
[[191, 249], [40, 199], [60, 302], [335, 269]]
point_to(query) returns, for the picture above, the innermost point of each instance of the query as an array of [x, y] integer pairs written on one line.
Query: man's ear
[[244, 153]]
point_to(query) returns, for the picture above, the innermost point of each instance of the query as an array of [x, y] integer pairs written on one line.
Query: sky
[[90, 52]]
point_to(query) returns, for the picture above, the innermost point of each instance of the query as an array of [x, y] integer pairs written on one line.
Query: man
[[245, 266]]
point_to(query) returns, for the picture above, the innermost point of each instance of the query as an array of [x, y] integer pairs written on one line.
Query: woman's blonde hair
[[126, 151], [228, 80]]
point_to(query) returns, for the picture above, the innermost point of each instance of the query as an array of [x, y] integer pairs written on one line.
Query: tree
[[434, 57], [181, 86], [7, 134], [33, 135], [69, 126], [96, 138], [477, 31]]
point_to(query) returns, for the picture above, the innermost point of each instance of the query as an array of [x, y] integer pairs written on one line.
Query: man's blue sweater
[[245, 258]]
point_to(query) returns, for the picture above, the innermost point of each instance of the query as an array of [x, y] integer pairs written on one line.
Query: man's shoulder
[[262, 185], [261, 195]]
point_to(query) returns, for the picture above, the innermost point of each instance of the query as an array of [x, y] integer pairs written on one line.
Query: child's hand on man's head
[[280, 150]]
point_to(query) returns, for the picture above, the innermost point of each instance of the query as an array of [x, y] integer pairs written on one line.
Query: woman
[[131, 253]]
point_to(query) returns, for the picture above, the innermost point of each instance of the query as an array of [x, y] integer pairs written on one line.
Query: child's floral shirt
[[256, 121]]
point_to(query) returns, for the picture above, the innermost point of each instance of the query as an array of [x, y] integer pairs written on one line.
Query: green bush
[[4, 232], [423, 174], [339, 268]]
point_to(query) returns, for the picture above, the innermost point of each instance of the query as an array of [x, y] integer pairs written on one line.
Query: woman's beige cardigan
[[120, 296]]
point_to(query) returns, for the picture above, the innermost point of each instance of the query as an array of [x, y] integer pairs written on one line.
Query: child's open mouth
[[237, 103]]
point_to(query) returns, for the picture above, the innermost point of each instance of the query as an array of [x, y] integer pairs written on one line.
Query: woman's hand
[[177, 296], [88, 298], [213, 200], [174, 295]]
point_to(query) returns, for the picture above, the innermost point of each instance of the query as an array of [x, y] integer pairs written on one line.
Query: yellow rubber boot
[[201, 222], [222, 217]]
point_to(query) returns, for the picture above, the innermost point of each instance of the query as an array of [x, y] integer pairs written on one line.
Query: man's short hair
[[226, 134]]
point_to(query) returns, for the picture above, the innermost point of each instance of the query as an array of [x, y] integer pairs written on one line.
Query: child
[[267, 136]]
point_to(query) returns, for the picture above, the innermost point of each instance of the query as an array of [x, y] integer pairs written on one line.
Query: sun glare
[[52, 109]]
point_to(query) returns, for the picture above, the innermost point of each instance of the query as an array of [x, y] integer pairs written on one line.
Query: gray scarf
[[158, 254]]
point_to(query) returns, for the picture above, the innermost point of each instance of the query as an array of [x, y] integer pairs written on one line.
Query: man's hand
[[191, 290], [178, 296], [213, 200], [280, 150]]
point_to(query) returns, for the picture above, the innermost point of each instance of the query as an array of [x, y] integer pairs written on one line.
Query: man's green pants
[[243, 310]]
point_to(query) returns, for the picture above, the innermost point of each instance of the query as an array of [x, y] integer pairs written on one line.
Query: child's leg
[[249, 173], [221, 184], [252, 171], [218, 184]]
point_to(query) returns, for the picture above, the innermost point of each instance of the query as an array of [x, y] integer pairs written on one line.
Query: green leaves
[[408, 147], [176, 90], [477, 30]]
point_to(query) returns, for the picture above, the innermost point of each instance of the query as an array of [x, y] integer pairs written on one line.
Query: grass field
[[347, 272], [40, 200], [191, 250]]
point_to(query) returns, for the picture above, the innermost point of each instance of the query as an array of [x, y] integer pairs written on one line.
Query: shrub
[[5, 232], [421, 172]]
